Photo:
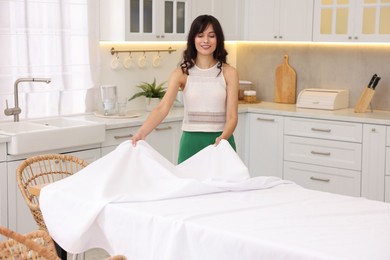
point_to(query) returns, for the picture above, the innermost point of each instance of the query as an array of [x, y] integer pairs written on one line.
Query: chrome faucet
[[15, 111]]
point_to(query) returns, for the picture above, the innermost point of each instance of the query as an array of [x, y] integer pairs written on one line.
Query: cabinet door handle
[[320, 130], [319, 179], [123, 136], [265, 119], [320, 153], [163, 128]]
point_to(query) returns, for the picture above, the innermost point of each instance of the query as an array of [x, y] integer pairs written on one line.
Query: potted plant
[[152, 92]]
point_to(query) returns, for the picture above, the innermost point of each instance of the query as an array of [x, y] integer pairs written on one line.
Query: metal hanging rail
[[169, 50]]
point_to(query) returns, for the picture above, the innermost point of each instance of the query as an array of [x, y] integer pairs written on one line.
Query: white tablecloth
[[283, 222], [72, 206], [134, 202]]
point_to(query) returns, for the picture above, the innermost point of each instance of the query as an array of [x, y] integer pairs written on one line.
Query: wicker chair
[[35, 245], [44, 169]]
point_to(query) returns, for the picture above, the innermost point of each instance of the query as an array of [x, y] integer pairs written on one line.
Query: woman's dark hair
[[198, 26]]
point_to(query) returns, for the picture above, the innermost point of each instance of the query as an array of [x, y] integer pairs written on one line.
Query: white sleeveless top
[[204, 98]]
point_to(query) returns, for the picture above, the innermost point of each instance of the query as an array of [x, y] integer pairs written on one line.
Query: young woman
[[210, 91]]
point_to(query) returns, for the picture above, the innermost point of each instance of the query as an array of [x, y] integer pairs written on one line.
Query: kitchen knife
[[375, 82], [372, 81]]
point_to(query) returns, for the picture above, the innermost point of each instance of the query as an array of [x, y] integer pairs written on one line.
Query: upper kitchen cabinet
[[144, 20], [352, 21], [279, 20], [228, 12]]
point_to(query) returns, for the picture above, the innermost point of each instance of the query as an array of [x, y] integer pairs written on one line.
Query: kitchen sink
[[61, 122], [21, 127], [51, 133]]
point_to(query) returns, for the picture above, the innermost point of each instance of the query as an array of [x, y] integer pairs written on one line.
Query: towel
[[133, 174]]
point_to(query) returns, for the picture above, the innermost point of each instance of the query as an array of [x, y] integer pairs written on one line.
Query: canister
[[250, 96], [244, 85]]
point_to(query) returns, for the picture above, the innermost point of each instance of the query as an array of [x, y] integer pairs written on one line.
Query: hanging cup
[[128, 62], [142, 61], [156, 61], [115, 62]]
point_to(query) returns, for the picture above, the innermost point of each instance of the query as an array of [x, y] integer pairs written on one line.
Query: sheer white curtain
[[55, 39]]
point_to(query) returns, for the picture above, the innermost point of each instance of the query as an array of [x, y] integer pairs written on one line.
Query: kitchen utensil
[[367, 95], [372, 81], [364, 100], [376, 81], [285, 83]]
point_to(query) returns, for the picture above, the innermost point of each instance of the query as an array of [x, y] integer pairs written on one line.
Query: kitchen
[[321, 61]]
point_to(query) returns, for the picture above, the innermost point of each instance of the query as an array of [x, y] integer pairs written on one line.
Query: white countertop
[[176, 114], [376, 117], [4, 138]]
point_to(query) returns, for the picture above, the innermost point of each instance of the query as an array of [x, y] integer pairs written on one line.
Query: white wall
[[319, 65], [127, 79]]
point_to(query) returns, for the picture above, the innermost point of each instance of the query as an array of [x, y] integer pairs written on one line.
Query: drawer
[[323, 152], [325, 129], [388, 161], [345, 182], [117, 136]]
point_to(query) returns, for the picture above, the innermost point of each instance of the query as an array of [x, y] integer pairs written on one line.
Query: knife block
[[364, 100]]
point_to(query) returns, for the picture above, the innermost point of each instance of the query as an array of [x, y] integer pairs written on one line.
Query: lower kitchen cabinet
[[373, 162], [114, 137], [331, 153], [3, 185], [265, 141], [322, 178], [3, 195], [20, 218], [165, 139], [341, 181], [387, 167], [240, 134], [323, 155], [348, 158]]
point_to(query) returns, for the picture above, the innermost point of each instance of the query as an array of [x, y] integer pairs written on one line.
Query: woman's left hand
[[218, 140]]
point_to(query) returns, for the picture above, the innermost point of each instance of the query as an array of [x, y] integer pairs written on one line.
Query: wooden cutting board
[[285, 83]]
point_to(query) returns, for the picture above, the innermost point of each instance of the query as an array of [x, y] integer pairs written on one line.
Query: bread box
[[328, 99]]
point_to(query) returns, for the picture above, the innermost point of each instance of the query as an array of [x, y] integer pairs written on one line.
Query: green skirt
[[193, 142]]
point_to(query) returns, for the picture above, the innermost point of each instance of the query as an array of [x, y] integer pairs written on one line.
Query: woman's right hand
[[136, 137]]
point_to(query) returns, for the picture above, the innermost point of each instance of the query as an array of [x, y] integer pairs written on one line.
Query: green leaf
[[150, 90]]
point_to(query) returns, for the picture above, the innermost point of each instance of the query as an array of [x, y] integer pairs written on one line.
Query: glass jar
[[250, 96], [244, 85]]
